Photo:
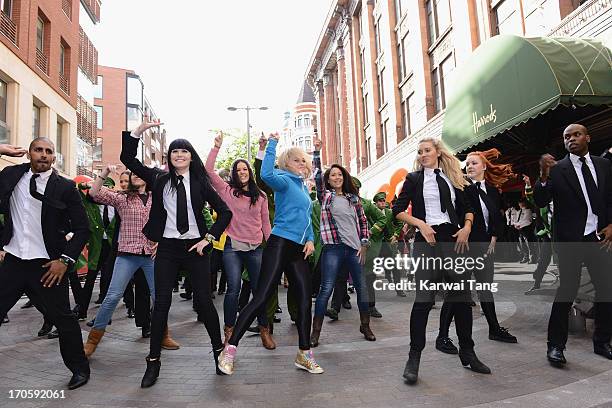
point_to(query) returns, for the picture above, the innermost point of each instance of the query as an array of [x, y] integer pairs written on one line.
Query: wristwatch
[[210, 237], [66, 260]]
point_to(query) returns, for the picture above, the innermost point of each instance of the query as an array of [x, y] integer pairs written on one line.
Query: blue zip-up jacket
[[292, 202]]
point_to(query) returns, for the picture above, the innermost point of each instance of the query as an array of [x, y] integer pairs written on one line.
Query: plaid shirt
[[328, 228], [134, 215]]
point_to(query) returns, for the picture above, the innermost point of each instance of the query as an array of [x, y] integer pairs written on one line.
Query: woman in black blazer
[[176, 223], [485, 178], [443, 217]]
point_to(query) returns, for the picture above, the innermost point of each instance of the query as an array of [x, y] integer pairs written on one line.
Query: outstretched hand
[[219, 140], [10, 150], [274, 136], [317, 144], [263, 142], [146, 124]]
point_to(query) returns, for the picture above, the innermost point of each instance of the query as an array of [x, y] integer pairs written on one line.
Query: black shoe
[[253, 329], [99, 301], [375, 313], [216, 354], [53, 335], [276, 319], [27, 305], [5, 319], [535, 287], [186, 296], [130, 313], [150, 376], [603, 350], [221, 292], [469, 360], [146, 332], [555, 356], [502, 334], [278, 310], [347, 305], [78, 379], [91, 322], [411, 371], [45, 329], [332, 314], [400, 293], [445, 345]]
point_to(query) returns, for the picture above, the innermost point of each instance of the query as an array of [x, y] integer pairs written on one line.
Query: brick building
[[39, 56], [120, 103], [382, 71]]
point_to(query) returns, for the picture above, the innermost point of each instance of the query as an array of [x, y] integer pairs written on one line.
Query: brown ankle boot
[[227, 332], [266, 338], [365, 326], [93, 339], [317, 324], [168, 343]]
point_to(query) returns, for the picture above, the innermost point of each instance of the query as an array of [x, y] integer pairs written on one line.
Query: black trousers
[[280, 255], [137, 296], [571, 258], [174, 255], [459, 300], [543, 260], [485, 275], [19, 276], [83, 294], [216, 264], [341, 293]]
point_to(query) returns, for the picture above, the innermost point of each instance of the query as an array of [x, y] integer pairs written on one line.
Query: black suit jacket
[[480, 233], [570, 208], [67, 216], [157, 179], [412, 192]]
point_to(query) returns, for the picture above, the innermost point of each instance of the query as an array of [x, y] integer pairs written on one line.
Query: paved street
[[357, 373]]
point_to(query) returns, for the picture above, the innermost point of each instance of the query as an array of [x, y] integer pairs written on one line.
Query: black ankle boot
[[469, 360], [216, 354], [411, 372], [150, 376]]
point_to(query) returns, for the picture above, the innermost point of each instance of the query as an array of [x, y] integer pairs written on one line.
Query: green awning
[[509, 80]]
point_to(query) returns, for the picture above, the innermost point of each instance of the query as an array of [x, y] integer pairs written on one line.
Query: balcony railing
[[581, 16], [42, 61], [8, 27], [64, 82], [67, 7]]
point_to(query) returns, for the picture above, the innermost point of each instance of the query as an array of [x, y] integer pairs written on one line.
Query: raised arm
[[129, 150], [216, 181], [276, 182], [318, 173], [263, 142]]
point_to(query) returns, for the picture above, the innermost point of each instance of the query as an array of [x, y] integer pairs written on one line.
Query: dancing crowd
[[288, 216]]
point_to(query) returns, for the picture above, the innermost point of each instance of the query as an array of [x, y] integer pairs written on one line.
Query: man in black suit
[[40, 208], [580, 186]]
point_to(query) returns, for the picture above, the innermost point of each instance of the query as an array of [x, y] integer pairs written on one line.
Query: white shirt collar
[[576, 159], [429, 171], [185, 176], [44, 176]]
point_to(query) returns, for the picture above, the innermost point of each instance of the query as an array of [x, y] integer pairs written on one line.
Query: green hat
[[109, 182], [379, 196], [356, 182]]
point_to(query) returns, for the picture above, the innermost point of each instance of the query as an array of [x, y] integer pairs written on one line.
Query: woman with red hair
[[485, 179]]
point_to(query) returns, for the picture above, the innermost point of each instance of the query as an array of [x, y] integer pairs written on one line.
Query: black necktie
[[445, 198], [105, 219], [590, 186], [33, 191], [486, 200], [182, 222]]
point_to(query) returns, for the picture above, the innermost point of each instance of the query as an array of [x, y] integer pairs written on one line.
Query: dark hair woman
[[177, 224]]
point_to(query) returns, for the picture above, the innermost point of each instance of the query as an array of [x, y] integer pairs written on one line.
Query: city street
[[358, 373]]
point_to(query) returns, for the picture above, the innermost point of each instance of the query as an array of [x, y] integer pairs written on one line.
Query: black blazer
[[412, 192], [157, 179], [570, 208], [67, 215], [479, 231]]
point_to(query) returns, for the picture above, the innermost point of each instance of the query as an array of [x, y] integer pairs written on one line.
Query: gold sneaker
[[305, 361], [226, 363]]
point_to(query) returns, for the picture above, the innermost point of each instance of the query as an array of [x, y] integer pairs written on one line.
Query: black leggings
[[280, 255], [172, 256]]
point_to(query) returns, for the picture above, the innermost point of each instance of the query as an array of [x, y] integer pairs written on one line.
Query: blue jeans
[[333, 259], [234, 262], [125, 267]]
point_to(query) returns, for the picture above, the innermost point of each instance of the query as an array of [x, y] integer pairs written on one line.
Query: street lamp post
[[248, 124]]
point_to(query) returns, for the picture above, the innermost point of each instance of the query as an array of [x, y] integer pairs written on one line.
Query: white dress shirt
[[592, 219], [431, 196], [521, 217], [483, 206], [26, 212], [111, 214], [170, 231]]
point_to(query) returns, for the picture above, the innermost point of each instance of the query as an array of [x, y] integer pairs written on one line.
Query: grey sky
[[198, 57]]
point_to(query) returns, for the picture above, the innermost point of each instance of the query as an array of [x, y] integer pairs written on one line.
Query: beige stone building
[[382, 71]]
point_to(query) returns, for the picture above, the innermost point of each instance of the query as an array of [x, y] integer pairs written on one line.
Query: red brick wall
[[25, 15]]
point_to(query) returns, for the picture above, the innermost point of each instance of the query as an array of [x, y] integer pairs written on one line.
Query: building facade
[[39, 42], [302, 122], [120, 103], [382, 70]]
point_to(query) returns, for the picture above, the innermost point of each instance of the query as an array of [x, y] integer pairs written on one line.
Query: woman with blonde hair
[[443, 217], [290, 244], [485, 178]]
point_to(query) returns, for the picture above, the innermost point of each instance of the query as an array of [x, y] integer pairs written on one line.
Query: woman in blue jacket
[[290, 244]]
